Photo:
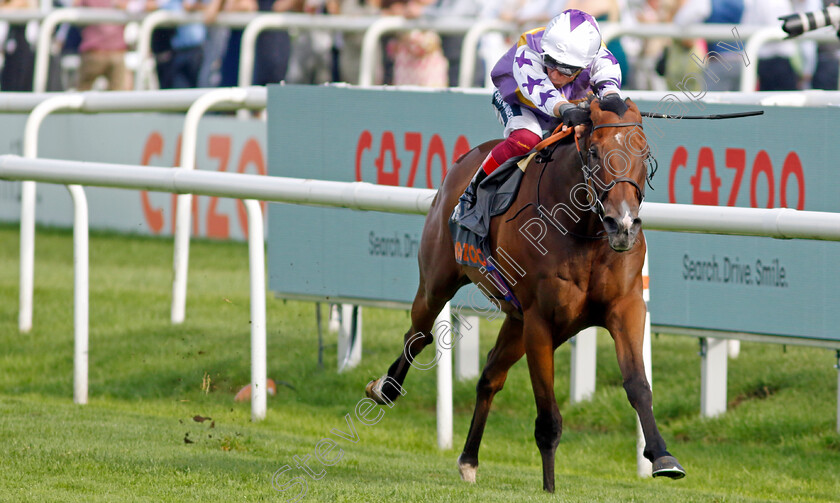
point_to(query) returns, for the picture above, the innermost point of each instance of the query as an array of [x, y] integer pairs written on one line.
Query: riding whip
[[733, 115]]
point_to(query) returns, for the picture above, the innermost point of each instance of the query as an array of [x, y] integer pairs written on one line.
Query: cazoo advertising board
[[224, 144], [787, 157]]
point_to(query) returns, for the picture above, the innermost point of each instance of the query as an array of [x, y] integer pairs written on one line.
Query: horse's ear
[[613, 103], [632, 106]]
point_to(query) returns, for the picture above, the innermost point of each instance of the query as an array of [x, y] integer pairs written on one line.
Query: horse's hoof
[[373, 390], [467, 471], [668, 466]]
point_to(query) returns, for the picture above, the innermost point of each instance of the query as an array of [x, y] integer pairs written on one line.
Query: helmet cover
[[572, 38]]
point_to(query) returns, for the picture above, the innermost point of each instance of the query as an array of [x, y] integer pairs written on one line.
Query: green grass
[[777, 442]]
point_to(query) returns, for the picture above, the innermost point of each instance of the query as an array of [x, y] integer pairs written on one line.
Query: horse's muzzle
[[622, 232]]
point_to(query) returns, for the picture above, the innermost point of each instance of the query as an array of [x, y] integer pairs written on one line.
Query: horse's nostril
[[637, 222], [610, 224]]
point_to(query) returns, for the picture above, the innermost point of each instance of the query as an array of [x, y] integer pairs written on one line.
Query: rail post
[[443, 327]]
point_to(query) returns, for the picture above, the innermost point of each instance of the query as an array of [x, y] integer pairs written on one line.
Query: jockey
[[539, 80]]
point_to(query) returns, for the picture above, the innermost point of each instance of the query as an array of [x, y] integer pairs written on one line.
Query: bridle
[[597, 206], [595, 202]]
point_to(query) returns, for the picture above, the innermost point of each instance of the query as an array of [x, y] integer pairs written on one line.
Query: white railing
[[752, 37], [749, 75], [183, 218], [784, 223], [781, 223], [362, 196], [163, 19], [352, 195], [239, 97], [611, 31], [77, 16], [92, 102], [358, 195], [178, 100], [172, 100], [264, 22], [21, 16], [374, 27], [43, 105], [448, 26], [27, 238], [469, 47]]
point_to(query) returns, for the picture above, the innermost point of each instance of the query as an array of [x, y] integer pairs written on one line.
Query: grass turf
[[137, 439]]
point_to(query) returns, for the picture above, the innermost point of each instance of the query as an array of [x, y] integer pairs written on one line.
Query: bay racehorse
[[574, 229]]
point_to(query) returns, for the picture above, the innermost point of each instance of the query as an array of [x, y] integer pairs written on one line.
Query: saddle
[[470, 226], [494, 196]]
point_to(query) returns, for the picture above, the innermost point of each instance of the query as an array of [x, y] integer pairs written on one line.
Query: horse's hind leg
[[626, 325], [428, 303], [507, 351]]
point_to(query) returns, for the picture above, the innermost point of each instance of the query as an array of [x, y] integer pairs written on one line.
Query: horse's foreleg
[[427, 305], [508, 350], [626, 325], [548, 426]]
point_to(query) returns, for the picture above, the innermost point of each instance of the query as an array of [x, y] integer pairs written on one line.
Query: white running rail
[[46, 104], [778, 223]]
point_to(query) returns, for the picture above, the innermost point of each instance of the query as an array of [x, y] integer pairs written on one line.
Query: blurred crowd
[[207, 55]]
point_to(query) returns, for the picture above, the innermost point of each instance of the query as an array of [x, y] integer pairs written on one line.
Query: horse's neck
[[561, 194]]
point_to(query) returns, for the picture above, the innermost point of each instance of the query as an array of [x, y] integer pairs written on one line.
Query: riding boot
[[468, 198]]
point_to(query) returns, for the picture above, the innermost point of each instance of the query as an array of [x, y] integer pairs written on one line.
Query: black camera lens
[[792, 25]]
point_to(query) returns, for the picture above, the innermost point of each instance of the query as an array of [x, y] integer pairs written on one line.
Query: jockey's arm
[[534, 85]]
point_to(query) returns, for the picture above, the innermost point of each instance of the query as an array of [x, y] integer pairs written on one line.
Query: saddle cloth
[[470, 227]]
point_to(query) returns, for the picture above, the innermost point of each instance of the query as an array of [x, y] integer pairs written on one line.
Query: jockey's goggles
[[566, 70]]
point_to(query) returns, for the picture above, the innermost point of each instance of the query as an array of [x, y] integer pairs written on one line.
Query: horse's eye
[[593, 152]]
